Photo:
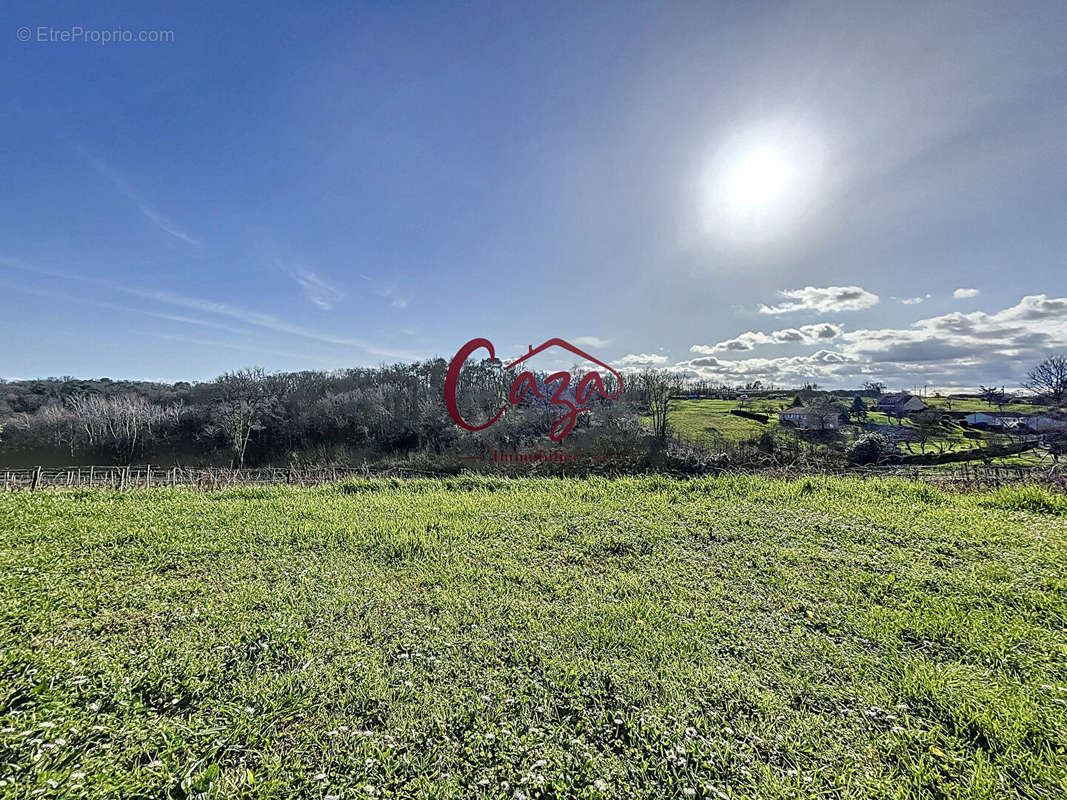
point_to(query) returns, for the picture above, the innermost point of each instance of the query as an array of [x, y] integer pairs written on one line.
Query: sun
[[759, 179], [761, 184]]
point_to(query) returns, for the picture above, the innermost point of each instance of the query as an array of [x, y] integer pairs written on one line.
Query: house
[[900, 404], [811, 419], [996, 419]]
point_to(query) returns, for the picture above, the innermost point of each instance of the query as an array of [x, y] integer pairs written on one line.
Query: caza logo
[[525, 383]]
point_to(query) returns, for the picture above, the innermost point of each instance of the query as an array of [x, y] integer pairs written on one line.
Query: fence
[[147, 476], [962, 475]]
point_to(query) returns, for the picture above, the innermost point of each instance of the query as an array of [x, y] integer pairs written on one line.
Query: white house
[[811, 419]]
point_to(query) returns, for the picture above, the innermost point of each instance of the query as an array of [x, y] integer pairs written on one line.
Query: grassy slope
[[735, 637], [709, 422]]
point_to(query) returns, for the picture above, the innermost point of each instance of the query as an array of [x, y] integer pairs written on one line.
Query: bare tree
[[993, 395], [825, 413], [927, 427], [657, 386], [874, 387], [1049, 378], [242, 402]]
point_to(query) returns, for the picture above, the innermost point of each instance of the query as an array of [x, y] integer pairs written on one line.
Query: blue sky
[[773, 191]]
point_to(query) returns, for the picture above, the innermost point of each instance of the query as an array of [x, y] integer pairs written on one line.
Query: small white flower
[[600, 786]]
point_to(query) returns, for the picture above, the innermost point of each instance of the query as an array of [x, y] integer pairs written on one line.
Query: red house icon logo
[[525, 383]]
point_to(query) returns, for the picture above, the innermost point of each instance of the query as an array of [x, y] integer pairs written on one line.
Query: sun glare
[[758, 179], [760, 185]]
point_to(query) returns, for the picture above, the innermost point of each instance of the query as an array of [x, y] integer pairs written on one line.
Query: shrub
[[737, 412], [869, 449]]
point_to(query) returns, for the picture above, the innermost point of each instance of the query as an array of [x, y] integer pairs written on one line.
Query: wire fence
[[963, 475], [147, 476]]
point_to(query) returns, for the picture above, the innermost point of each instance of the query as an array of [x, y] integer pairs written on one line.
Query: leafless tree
[[874, 387], [1049, 378], [242, 401], [993, 395], [656, 387]]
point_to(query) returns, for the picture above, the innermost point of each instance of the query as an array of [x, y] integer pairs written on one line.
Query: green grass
[[710, 423], [479, 637], [971, 405]]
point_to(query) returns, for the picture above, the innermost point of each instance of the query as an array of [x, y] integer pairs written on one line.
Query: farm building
[[900, 404], [1040, 423], [996, 419]]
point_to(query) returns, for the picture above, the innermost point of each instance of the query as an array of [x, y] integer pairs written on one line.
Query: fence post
[[36, 480], [148, 476]]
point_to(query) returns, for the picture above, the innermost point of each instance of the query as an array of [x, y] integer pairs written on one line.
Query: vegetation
[[484, 637]]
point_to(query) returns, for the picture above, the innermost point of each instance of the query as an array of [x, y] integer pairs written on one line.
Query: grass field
[[710, 423], [641, 637]]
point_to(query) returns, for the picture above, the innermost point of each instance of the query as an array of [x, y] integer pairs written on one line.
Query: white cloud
[[823, 299], [317, 290], [590, 341], [956, 349], [639, 360], [911, 301], [963, 294], [749, 340]]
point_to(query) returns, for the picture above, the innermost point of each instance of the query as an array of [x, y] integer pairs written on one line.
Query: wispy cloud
[[162, 222], [246, 316], [267, 321], [316, 289], [912, 301], [824, 299], [395, 298], [963, 294], [591, 341], [229, 345]]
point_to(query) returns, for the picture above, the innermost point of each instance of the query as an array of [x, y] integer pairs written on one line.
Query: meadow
[[728, 637]]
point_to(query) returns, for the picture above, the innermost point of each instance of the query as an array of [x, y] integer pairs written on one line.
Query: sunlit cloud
[[640, 360], [823, 299]]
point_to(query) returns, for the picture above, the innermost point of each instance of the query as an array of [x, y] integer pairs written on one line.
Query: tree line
[[250, 417]]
